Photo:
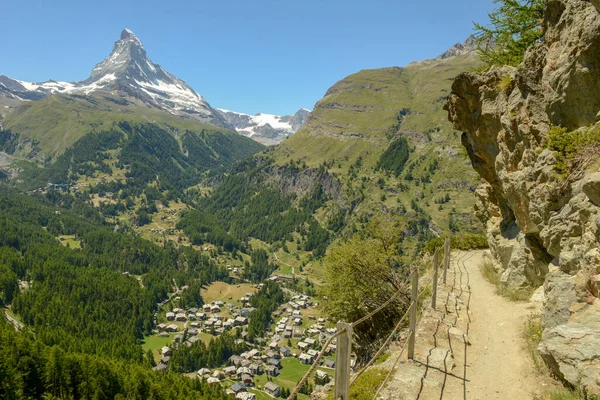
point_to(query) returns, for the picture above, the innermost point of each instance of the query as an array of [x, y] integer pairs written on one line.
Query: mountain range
[[127, 75], [267, 129]]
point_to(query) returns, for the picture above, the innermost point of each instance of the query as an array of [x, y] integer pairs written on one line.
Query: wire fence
[[343, 350]]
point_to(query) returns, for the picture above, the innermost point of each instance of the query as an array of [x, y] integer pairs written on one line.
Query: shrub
[[573, 149]]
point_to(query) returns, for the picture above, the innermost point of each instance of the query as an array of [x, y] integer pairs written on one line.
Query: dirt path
[[495, 365], [498, 365]]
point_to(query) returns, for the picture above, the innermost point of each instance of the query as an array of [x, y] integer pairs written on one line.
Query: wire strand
[[293, 395], [381, 307], [383, 346]]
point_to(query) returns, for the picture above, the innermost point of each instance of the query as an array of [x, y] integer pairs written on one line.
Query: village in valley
[[269, 366]]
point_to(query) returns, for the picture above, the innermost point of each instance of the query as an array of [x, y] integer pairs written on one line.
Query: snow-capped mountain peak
[[129, 73]]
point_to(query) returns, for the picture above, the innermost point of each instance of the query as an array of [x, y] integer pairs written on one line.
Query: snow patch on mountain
[[267, 129]]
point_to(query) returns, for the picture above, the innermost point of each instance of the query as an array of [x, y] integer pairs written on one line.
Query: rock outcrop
[[542, 229]]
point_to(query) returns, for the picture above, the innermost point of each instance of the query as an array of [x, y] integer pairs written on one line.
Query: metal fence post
[[413, 312], [342, 362], [435, 278]]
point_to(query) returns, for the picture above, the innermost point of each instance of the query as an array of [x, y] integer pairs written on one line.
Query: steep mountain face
[[127, 73], [267, 129], [542, 207]]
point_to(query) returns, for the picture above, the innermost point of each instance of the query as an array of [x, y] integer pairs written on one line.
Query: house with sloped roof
[[272, 389]]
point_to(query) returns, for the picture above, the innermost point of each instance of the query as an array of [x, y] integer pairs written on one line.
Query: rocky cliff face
[[543, 230]]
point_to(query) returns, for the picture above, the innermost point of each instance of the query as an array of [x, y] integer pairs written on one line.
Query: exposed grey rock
[[541, 228], [572, 351], [591, 188]]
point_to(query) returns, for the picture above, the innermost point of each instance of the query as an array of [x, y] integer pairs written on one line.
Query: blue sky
[[248, 56]]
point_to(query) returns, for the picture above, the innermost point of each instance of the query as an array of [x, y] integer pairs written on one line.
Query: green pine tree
[[513, 27]]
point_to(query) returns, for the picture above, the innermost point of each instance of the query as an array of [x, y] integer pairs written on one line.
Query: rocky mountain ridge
[[267, 129], [543, 228], [129, 74]]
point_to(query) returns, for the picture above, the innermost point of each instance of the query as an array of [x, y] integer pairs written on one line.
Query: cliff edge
[[543, 226]]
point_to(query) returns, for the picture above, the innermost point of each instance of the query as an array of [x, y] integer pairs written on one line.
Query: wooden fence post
[[342, 362], [446, 258], [435, 278], [413, 312]]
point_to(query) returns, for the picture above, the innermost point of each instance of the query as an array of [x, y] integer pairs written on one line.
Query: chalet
[[321, 377], [241, 320], [218, 374], [312, 352], [219, 303], [215, 309], [273, 345], [310, 342], [201, 316], [235, 359], [253, 353], [229, 370], [192, 340], [246, 379], [297, 321], [243, 371], [303, 346], [321, 320], [298, 333], [256, 369], [274, 362], [272, 389], [271, 370], [170, 316], [192, 332], [172, 328], [176, 310], [160, 367], [287, 334], [166, 351], [245, 396], [193, 310], [273, 354], [195, 325], [206, 308], [306, 358], [165, 359], [161, 327], [218, 323], [203, 372], [178, 338], [246, 363], [329, 363], [285, 352], [238, 387], [164, 334], [212, 381], [230, 323]]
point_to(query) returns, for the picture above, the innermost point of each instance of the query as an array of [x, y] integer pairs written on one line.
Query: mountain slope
[[267, 129], [127, 73], [383, 132]]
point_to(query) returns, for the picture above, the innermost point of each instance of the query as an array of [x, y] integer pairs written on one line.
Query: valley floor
[[472, 347]]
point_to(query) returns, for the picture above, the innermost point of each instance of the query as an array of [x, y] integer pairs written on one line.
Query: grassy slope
[[59, 120], [359, 117]]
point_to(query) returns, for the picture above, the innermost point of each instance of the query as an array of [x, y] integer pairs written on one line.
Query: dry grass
[[223, 291], [490, 273]]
